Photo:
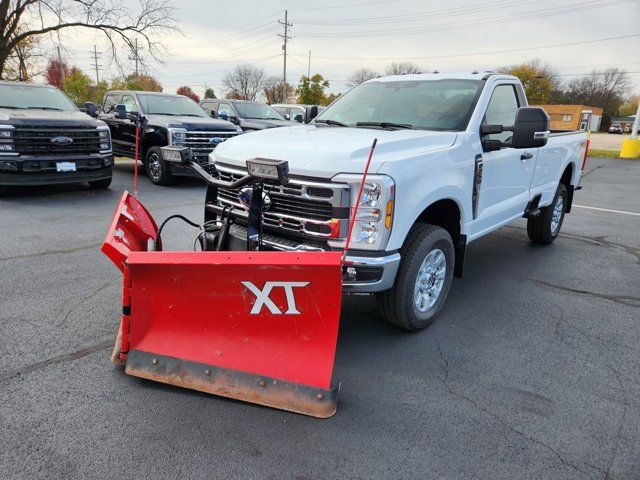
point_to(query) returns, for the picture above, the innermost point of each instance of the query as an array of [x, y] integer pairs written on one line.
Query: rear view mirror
[[531, 128], [120, 111], [91, 108]]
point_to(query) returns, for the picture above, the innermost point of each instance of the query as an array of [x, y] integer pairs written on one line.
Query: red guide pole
[[355, 209], [135, 164]]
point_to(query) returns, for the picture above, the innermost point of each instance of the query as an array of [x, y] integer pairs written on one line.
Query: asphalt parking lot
[[531, 371]]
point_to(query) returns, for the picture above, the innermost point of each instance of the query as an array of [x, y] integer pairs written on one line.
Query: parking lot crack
[[69, 357], [621, 299], [507, 425], [51, 252]]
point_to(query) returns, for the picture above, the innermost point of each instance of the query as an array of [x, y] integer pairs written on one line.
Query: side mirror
[[91, 108], [214, 114], [180, 155], [287, 116], [298, 118], [531, 128], [313, 112], [120, 111], [223, 115], [234, 119]]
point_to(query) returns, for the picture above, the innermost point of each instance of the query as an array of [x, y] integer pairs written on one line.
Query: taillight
[[586, 153]]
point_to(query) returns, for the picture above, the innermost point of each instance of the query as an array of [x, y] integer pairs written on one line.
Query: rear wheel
[[423, 280], [545, 227], [157, 169], [100, 184]]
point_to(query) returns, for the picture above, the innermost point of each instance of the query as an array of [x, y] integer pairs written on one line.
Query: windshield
[[422, 104], [170, 105], [257, 111], [35, 97]]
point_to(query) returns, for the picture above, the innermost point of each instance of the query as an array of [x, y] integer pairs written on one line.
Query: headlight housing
[[372, 226], [104, 134], [177, 136], [6, 140]]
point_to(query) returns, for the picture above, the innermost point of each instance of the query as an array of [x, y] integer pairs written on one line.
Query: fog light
[[351, 273], [108, 161], [8, 166]]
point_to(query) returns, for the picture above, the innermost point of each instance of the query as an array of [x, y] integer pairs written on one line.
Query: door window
[[297, 112], [502, 110], [129, 102], [225, 108], [110, 102]]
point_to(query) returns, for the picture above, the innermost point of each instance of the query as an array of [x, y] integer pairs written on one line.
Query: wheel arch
[[566, 179]]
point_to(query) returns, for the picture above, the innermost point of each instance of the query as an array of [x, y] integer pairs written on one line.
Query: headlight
[[177, 136], [374, 220], [6, 139], [105, 146], [103, 133], [5, 133]]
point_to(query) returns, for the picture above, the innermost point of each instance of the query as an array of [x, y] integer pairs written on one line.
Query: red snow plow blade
[[254, 326]]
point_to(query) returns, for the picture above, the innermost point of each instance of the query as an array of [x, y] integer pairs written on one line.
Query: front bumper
[[33, 171]]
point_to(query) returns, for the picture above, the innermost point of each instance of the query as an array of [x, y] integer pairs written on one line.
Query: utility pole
[[285, 37], [135, 57], [95, 61], [309, 66]]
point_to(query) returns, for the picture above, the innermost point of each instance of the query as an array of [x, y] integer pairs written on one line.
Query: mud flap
[[255, 326]]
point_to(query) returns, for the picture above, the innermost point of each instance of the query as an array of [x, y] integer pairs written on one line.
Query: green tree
[[629, 106], [539, 80], [77, 85], [209, 93], [310, 91]]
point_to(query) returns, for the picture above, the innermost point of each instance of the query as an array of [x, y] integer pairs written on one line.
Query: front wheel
[[545, 227], [158, 170], [423, 280]]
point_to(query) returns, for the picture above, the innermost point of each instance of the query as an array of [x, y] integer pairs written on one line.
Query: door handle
[[526, 156]]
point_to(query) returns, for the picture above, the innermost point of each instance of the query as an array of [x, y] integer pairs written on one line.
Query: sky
[[343, 35]]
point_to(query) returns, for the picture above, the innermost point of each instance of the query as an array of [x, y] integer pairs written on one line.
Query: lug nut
[[319, 396], [207, 372], [154, 361], [262, 383]]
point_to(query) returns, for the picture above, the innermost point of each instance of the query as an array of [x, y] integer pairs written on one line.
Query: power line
[[95, 62], [343, 6], [477, 53]]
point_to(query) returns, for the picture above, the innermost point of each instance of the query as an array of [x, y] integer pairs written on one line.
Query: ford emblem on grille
[[61, 140], [216, 140], [245, 198]]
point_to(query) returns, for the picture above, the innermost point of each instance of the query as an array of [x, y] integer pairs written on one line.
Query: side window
[[225, 108], [282, 110], [130, 103], [208, 106], [110, 102], [297, 114], [502, 110]]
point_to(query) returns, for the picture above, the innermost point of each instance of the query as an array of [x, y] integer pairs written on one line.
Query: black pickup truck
[[46, 140], [163, 119], [249, 116]]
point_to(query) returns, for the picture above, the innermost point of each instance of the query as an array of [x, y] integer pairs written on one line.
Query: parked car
[[46, 140], [168, 120], [615, 128], [457, 157], [298, 113], [250, 116]]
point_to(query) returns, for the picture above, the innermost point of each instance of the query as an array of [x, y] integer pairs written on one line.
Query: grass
[[597, 152]]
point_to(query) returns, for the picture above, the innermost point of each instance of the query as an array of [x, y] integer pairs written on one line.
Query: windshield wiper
[[188, 115], [384, 125], [163, 113], [11, 107], [331, 122], [44, 108]]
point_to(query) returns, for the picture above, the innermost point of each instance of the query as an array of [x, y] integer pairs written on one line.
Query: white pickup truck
[[457, 157]]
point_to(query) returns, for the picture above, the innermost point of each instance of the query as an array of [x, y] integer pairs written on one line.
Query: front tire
[[423, 280], [158, 171], [545, 227]]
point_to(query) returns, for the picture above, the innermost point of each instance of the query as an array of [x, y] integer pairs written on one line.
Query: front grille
[[299, 208], [201, 144], [38, 140]]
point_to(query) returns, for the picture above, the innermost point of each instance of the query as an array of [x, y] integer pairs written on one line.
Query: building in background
[[625, 122], [574, 117]]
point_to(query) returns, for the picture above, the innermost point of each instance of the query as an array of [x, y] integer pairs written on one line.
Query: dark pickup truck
[[163, 119], [46, 140], [250, 116], [298, 112]]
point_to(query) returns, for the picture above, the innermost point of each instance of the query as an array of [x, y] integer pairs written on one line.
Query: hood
[[191, 123], [323, 152], [258, 124], [53, 118]]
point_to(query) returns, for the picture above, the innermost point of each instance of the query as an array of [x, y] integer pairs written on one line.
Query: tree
[[330, 98], [402, 68], [209, 93], [56, 71], [361, 75], [244, 82], [539, 80], [22, 63], [275, 92], [630, 106], [21, 20], [310, 91], [187, 92], [77, 85], [137, 82], [604, 88]]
